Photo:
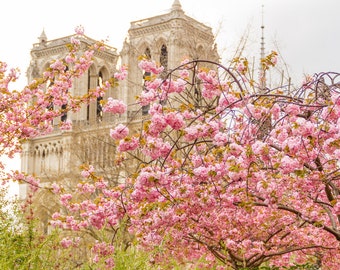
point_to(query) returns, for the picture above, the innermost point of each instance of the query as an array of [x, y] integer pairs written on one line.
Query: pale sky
[[307, 32]]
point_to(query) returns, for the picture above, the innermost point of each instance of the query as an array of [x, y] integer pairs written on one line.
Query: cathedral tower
[[167, 39], [51, 156]]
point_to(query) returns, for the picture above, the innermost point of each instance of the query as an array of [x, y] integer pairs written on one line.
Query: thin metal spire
[[262, 35], [262, 55]]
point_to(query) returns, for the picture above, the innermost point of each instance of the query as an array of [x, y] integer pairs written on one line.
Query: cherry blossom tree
[[229, 173], [27, 113], [227, 170]]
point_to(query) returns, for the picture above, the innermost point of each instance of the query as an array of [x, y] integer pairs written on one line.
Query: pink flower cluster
[[67, 242], [119, 132], [150, 66], [114, 106], [128, 144], [122, 74], [87, 171], [79, 30]]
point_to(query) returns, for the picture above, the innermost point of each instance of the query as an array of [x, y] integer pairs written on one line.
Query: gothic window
[[50, 106], [147, 53], [99, 99], [88, 91], [63, 117], [146, 76], [163, 59]]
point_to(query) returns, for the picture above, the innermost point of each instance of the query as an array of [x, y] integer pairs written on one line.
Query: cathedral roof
[[176, 12]]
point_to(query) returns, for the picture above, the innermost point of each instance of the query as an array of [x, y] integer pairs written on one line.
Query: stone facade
[[167, 39]]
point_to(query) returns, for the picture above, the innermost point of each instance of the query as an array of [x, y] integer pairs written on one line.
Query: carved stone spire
[[43, 37], [176, 5], [176, 9]]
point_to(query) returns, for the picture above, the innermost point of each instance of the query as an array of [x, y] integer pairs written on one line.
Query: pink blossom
[[65, 198], [87, 171], [174, 120], [122, 74], [282, 135], [158, 124], [184, 73], [289, 164], [69, 59], [114, 106], [56, 188], [109, 263], [103, 249], [275, 110], [157, 148], [101, 184], [240, 67], [292, 109], [156, 108], [66, 125], [119, 132], [58, 65], [75, 41], [225, 101], [79, 30], [259, 147], [194, 132], [66, 242], [56, 215], [128, 144], [335, 97], [274, 59], [86, 188], [150, 66], [336, 207], [147, 97]]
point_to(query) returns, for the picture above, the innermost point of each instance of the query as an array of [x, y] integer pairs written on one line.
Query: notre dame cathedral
[[167, 39]]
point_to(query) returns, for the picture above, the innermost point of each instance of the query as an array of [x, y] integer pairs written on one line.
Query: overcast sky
[[306, 32]]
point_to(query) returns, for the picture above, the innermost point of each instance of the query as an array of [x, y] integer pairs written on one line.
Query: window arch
[[63, 117], [99, 108], [146, 77], [50, 106], [92, 83], [163, 58], [147, 53]]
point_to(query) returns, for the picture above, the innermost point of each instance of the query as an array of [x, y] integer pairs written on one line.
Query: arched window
[[50, 106], [147, 53], [99, 109], [163, 59], [63, 117], [88, 91], [146, 77]]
